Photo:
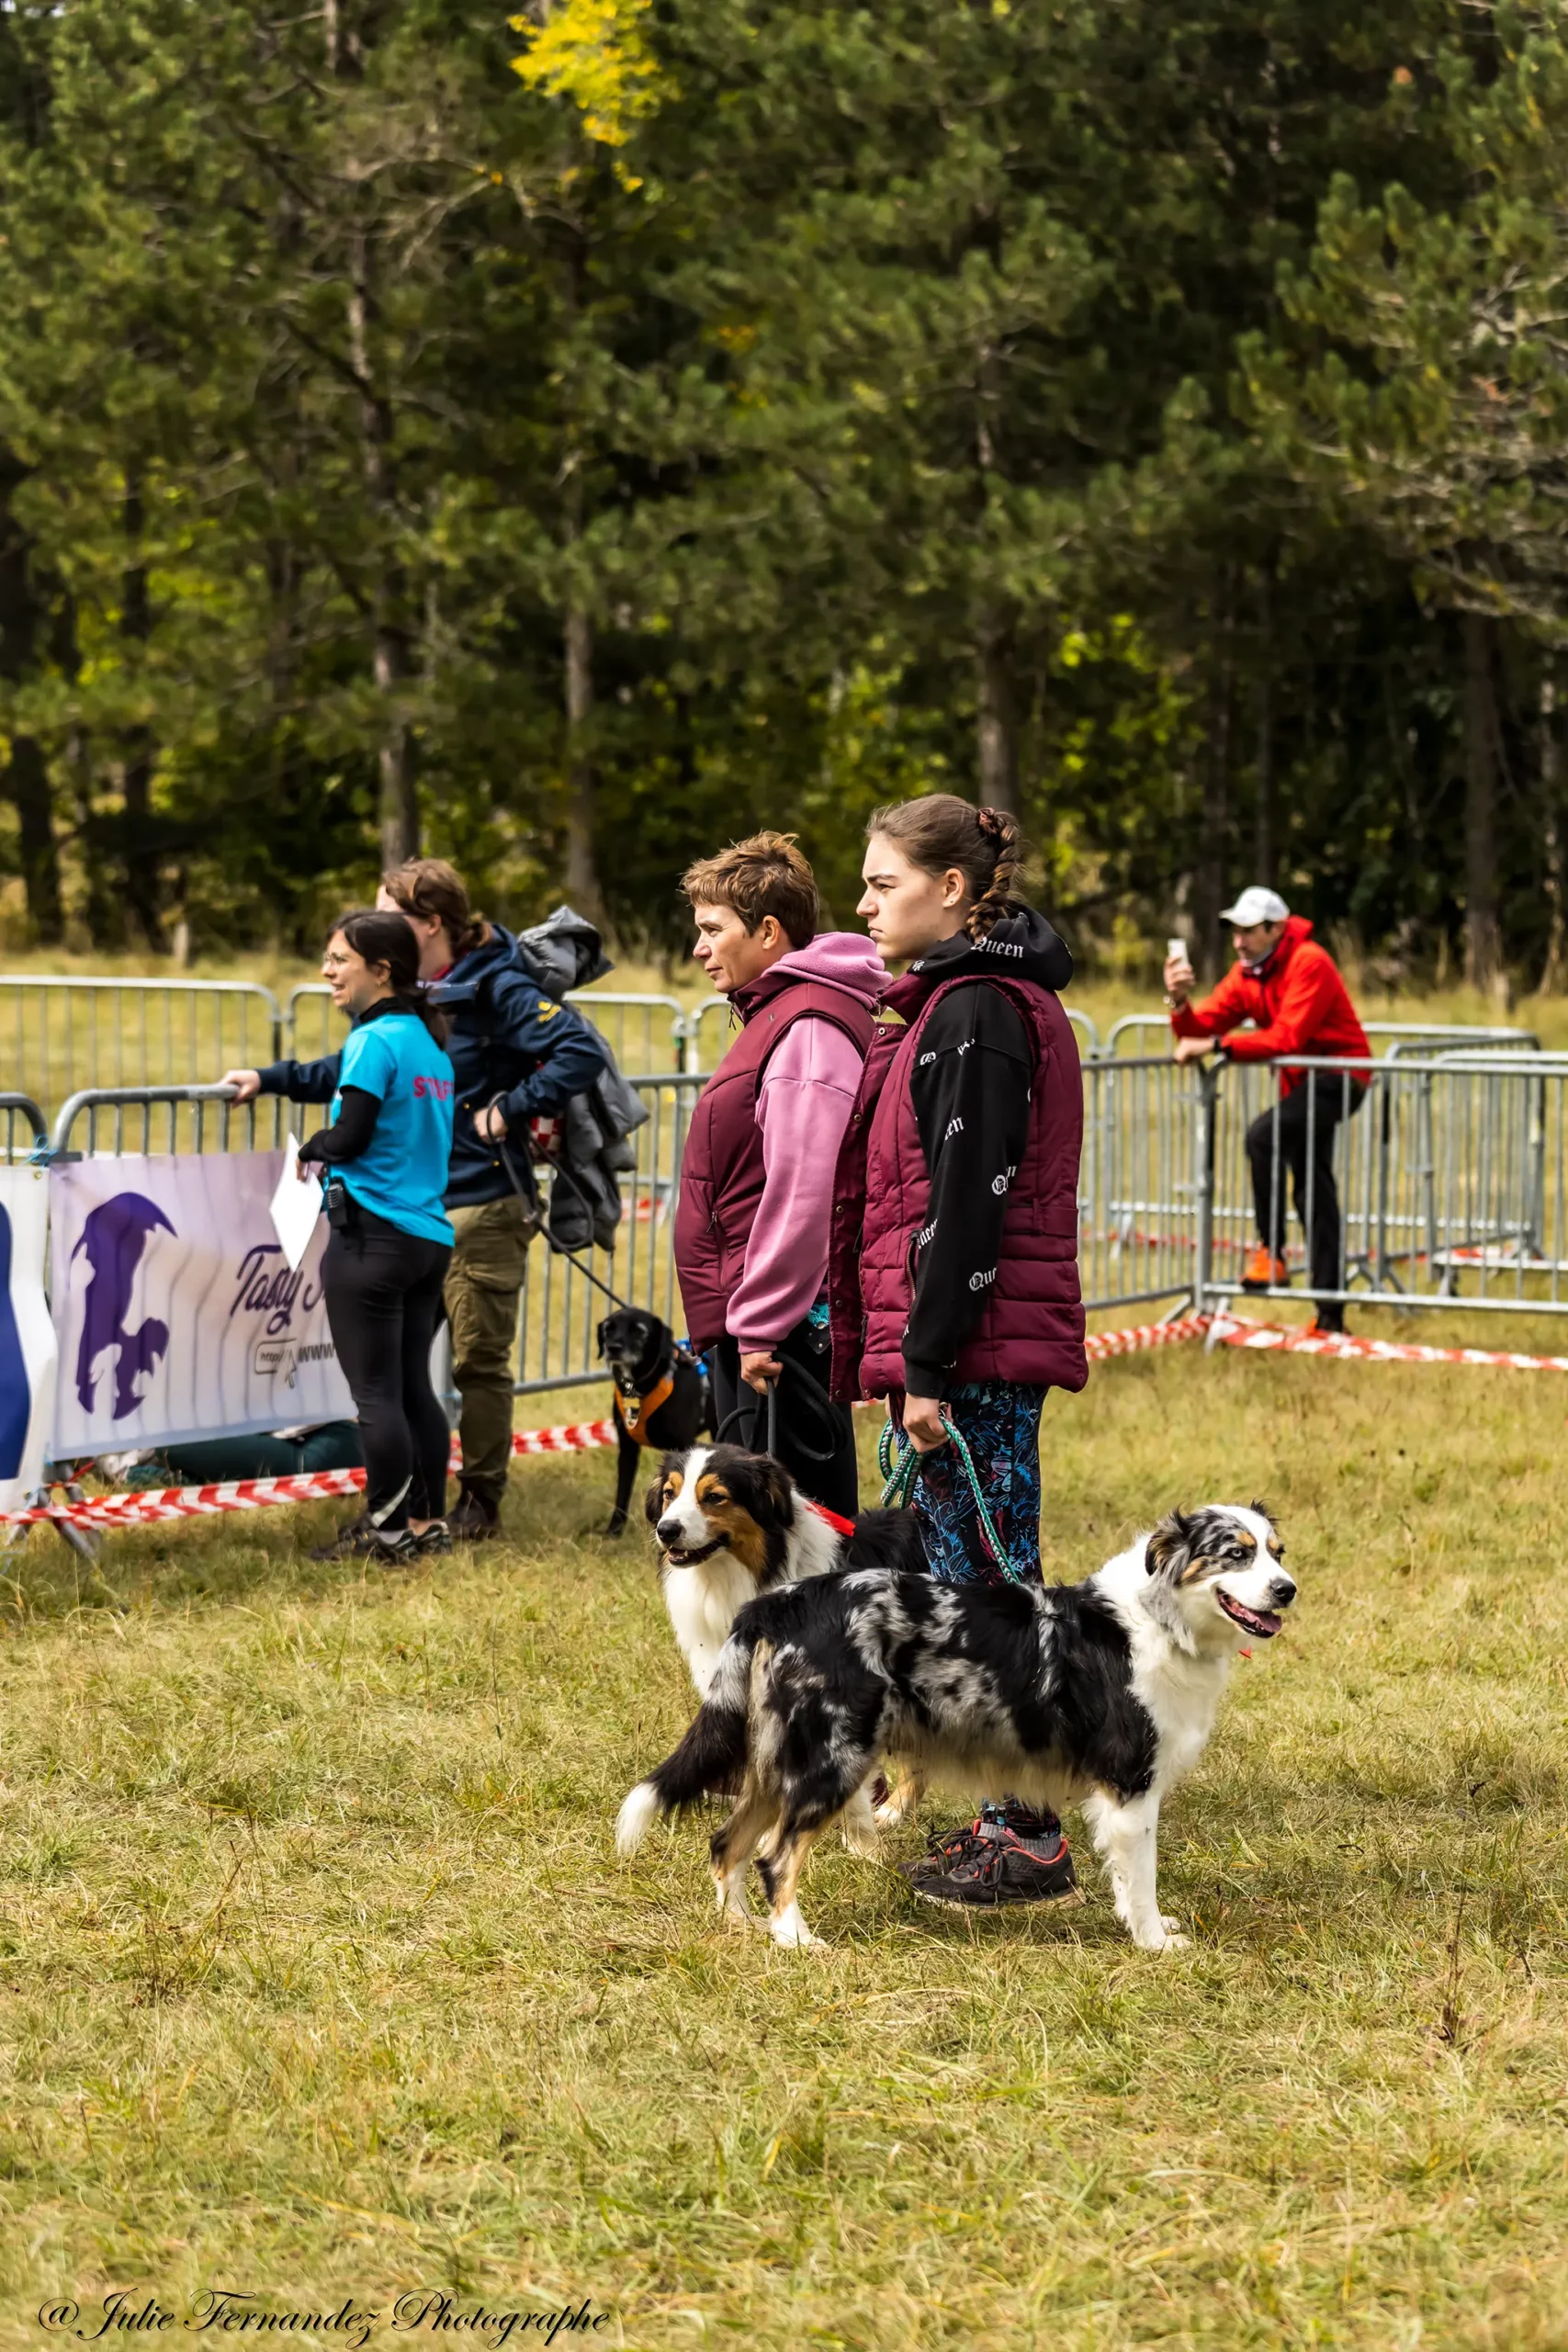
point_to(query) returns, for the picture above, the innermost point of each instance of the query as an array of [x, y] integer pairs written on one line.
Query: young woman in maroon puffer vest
[[954, 1273]]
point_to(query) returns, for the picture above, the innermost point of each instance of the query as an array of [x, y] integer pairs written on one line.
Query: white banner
[[175, 1313], [27, 1335]]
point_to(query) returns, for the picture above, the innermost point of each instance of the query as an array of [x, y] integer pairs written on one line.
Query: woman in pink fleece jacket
[[755, 1207]]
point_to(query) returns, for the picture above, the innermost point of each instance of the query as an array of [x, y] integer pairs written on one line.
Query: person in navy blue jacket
[[517, 1055]]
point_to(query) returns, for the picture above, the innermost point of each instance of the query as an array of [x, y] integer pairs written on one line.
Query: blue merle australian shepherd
[[1101, 1694]]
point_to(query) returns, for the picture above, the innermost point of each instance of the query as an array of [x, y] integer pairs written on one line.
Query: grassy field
[[319, 1977]]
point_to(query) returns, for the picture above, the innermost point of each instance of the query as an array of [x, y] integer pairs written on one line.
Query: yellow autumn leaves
[[594, 53]]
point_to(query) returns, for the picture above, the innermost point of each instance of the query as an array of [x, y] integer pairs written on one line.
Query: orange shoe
[[1265, 1273]]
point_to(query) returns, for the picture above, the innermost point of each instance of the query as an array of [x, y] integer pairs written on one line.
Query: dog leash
[[900, 1473], [529, 1196], [817, 1396], [753, 1406]]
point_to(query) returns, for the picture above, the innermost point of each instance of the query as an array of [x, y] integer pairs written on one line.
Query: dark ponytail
[[939, 832], [388, 939]]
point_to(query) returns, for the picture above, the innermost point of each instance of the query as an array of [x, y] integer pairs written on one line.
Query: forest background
[[571, 442]]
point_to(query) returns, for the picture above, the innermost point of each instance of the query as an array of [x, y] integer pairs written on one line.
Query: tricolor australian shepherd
[[732, 1525], [1101, 1694]]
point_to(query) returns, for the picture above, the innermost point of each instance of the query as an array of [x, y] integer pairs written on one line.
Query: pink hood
[[842, 959]]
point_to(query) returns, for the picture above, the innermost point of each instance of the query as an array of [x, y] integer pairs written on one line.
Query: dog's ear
[[775, 1492], [1169, 1548], [653, 1501], [1262, 1508], [599, 1335]]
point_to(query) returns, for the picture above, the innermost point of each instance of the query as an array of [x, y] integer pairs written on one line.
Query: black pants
[[1302, 1133], [383, 1289], [804, 1421]]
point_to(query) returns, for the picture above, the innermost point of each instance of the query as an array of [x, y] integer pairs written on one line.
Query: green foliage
[[1097, 407]]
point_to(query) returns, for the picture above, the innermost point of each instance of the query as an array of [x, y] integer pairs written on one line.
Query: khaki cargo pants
[[482, 1286]]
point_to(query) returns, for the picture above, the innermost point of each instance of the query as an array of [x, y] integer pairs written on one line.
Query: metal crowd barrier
[[105, 1122], [1142, 1030], [22, 1109], [643, 1032], [1450, 1173], [1140, 1184], [556, 1343], [61, 1036], [561, 1309]]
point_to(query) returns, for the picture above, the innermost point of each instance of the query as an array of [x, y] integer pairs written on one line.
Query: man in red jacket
[[1291, 989]]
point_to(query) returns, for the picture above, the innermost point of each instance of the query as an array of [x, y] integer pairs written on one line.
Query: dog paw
[[1172, 1925], [791, 1934], [1168, 1942]]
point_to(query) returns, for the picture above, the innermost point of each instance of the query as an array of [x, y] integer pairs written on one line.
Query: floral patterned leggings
[[1000, 1422]]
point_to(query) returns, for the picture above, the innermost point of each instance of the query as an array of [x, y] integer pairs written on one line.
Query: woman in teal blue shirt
[[385, 1158]]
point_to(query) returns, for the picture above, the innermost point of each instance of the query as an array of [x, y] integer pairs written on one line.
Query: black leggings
[[383, 1289], [1298, 1141]]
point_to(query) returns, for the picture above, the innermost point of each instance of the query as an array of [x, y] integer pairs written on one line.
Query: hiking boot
[[475, 1519], [1318, 1328], [435, 1539], [961, 1845], [1265, 1271], [1003, 1869], [363, 1540]]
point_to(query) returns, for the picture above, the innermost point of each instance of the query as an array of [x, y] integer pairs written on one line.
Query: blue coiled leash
[[900, 1473]]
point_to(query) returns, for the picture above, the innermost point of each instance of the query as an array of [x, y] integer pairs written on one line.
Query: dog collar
[[634, 1413]]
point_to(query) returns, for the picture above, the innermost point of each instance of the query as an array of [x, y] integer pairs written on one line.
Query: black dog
[[662, 1397]]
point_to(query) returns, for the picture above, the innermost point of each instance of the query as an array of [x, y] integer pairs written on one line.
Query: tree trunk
[[577, 645], [1482, 944], [1264, 849], [996, 706], [1210, 882], [582, 864], [26, 778], [1555, 970], [142, 876], [27, 782], [997, 741], [398, 804]]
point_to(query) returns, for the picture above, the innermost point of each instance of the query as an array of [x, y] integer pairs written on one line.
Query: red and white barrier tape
[[1348, 1347], [1133, 1338], [150, 1504]]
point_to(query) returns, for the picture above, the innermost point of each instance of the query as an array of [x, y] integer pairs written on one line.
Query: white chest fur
[[1180, 1687], [704, 1601]]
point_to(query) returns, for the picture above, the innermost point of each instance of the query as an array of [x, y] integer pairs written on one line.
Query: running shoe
[[961, 1844], [1265, 1271], [1001, 1869], [434, 1540], [363, 1540]]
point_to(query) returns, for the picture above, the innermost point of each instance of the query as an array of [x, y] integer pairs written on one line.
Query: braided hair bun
[[1004, 836], [939, 832]]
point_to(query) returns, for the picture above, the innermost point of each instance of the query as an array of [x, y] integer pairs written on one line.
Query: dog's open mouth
[[1261, 1622], [686, 1555]]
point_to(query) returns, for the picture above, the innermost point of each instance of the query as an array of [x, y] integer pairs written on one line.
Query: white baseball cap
[[1256, 905]]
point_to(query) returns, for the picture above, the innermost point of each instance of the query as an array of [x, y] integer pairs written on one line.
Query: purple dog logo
[[114, 1238]]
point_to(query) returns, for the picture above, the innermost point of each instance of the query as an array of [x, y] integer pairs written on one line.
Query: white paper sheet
[[295, 1206]]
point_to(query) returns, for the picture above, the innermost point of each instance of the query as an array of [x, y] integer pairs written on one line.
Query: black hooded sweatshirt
[[970, 1093]]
